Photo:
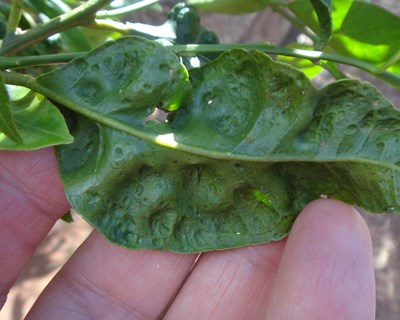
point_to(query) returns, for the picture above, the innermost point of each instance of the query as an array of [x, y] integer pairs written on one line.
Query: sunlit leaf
[[360, 29], [39, 122]]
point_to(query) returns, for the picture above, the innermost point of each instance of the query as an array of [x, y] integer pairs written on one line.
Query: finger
[[31, 200], [326, 271], [103, 281], [231, 284]]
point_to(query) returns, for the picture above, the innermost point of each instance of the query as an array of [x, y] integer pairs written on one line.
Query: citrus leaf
[[141, 195], [126, 80], [7, 121], [360, 29], [40, 123], [231, 167], [323, 10]]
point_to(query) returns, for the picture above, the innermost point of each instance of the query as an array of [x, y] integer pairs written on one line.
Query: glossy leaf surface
[[243, 157], [39, 122]]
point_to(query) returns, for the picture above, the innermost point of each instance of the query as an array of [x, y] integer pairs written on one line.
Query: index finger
[[31, 200]]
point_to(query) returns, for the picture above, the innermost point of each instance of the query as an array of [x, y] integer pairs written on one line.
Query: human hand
[[323, 270]]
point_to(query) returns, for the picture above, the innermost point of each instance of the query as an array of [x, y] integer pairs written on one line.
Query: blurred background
[[65, 238]]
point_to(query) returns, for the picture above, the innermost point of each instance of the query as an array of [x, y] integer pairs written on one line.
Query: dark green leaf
[[141, 195], [127, 80], [7, 122], [243, 158], [323, 10], [40, 123]]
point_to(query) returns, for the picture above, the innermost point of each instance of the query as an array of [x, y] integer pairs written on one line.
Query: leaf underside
[[254, 145]]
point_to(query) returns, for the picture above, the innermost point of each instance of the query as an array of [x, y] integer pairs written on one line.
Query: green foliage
[[126, 80], [40, 123], [245, 141], [7, 121], [267, 143], [323, 10], [360, 29]]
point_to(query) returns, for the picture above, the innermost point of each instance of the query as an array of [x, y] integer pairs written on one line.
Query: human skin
[[322, 270]]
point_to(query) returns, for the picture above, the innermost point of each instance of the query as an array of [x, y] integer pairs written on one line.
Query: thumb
[[326, 271]]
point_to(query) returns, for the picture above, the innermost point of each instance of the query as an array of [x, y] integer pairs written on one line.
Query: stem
[[126, 9], [19, 79], [109, 25], [315, 56], [78, 16], [15, 16], [45, 59], [137, 29]]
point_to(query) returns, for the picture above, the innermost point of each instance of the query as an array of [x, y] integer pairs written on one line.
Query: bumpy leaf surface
[[124, 80], [233, 167], [40, 123]]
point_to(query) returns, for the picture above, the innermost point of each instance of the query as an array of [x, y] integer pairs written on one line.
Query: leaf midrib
[[120, 126]]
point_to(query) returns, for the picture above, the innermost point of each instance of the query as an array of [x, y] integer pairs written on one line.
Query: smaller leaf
[[7, 122], [40, 123], [323, 9], [360, 29]]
